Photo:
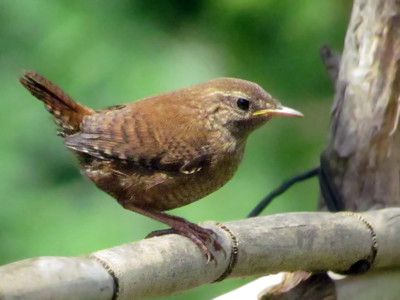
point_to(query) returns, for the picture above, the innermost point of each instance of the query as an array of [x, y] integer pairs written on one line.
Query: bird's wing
[[151, 142]]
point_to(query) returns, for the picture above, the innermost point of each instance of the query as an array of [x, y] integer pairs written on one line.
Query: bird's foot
[[204, 238]]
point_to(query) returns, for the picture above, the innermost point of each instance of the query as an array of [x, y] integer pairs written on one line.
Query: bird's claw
[[205, 239]]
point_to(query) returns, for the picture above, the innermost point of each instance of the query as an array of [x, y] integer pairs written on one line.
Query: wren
[[166, 150]]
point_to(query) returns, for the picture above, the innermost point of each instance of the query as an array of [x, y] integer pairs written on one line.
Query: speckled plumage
[[163, 151]]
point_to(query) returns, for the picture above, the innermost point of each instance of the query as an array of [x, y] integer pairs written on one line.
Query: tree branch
[[362, 156], [165, 265]]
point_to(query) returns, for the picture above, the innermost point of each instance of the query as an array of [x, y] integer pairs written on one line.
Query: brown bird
[[163, 151]]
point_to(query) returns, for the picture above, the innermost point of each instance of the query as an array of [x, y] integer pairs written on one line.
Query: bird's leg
[[202, 237]]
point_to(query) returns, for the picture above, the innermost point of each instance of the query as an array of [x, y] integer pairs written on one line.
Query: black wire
[[329, 191], [281, 189]]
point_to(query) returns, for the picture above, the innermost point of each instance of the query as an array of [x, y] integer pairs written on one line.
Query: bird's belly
[[160, 190], [164, 191], [177, 191]]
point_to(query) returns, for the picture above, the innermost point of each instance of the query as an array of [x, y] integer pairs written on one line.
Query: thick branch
[[363, 157], [169, 264]]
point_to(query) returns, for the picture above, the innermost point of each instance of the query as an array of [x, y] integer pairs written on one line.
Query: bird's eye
[[243, 104]]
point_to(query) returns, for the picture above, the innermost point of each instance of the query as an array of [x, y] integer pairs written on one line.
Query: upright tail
[[68, 113]]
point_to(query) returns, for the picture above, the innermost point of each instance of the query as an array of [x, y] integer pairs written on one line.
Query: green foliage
[[110, 52]]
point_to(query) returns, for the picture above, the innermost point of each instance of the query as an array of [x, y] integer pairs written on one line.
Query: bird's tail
[[68, 113]]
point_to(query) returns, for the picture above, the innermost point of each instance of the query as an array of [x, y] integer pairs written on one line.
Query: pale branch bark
[[362, 159], [311, 241], [49, 277]]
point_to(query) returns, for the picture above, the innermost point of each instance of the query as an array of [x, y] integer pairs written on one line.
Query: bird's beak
[[278, 111]]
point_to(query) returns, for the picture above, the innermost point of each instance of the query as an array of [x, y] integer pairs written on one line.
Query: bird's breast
[[167, 191]]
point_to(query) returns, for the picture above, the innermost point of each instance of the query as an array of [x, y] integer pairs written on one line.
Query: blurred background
[[110, 52]]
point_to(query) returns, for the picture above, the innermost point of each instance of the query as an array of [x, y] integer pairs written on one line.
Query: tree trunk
[[362, 158]]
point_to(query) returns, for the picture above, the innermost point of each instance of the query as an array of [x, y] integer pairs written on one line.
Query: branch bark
[[362, 159], [169, 264]]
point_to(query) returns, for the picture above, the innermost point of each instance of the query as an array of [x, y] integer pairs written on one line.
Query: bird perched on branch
[[166, 150]]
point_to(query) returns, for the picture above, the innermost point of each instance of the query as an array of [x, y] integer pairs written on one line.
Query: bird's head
[[240, 105]]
